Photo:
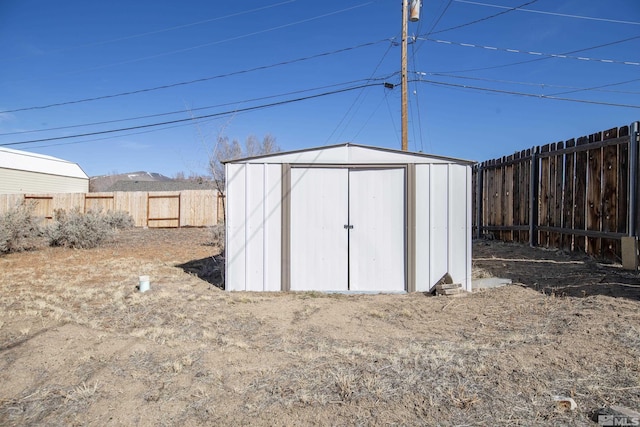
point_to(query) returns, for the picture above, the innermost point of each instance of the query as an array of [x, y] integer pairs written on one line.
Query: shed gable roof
[[32, 162], [349, 154]]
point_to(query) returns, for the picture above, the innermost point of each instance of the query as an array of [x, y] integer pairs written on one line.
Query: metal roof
[[40, 163], [349, 153]]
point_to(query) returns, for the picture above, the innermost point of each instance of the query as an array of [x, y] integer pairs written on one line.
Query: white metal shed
[[347, 218], [26, 172]]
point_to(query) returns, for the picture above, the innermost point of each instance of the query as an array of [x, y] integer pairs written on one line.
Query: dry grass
[[81, 346]]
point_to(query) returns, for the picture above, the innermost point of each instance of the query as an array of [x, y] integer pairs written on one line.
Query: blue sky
[[480, 84]]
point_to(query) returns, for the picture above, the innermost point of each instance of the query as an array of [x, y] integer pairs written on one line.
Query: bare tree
[[226, 150], [269, 145], [192, 177], [223, 151]]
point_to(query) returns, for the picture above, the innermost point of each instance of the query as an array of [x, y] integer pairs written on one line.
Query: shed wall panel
[[439, 222], [459, 229], [423, 228], [273, 227], [235, 239], [469, 230], [254, 220]]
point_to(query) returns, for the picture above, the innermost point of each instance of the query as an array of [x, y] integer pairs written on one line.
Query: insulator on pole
[[414, 10]]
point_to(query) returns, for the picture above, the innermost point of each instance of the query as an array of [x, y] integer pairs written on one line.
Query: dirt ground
[[79, 345]]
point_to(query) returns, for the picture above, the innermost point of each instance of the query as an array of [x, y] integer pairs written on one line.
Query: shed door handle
[[348, 227]]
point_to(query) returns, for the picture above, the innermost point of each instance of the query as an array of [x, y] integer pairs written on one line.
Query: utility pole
[[415, 16], [403, 77]]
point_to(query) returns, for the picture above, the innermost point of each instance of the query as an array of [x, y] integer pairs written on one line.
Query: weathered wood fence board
[[558, 195], [524, 171], [189, 208], [568, 203], [544, 192], [580, 194], [594, 201], [609, 195], [623, 183]]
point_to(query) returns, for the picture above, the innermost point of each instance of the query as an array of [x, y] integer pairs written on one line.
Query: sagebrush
[[75, 229], [119, 220], [20, 230]]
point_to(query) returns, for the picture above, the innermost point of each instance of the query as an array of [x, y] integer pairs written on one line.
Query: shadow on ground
[[554, 271], [209, 269]]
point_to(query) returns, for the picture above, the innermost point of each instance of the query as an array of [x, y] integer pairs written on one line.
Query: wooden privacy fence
[[579, 194], [188, 208]]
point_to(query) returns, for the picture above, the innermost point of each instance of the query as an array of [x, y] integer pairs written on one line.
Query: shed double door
[[347, 229]]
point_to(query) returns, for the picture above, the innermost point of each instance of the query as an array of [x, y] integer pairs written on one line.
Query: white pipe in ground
[[143, 285]]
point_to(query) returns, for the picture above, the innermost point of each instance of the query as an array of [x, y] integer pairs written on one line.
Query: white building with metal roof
[[26, 172]]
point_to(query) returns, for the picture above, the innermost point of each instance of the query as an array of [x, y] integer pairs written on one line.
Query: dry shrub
[[217, 236], [20, 229], [119, 220], [75, 229]]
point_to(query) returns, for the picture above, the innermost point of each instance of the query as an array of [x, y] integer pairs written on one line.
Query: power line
[[531, 95], [358, 97], [417, 103], [615, 21], [599, 88], [543, 85], [468, 23], [264, 67], [511, 9], [204, 79], [254, 33], [551, 55], [115, 136], [395, 127], [542, 59], [437, 21], [364, 124], [195, 109], [164, 30], [257, 107]]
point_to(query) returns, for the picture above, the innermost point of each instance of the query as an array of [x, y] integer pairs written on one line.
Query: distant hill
[[104, 182]]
